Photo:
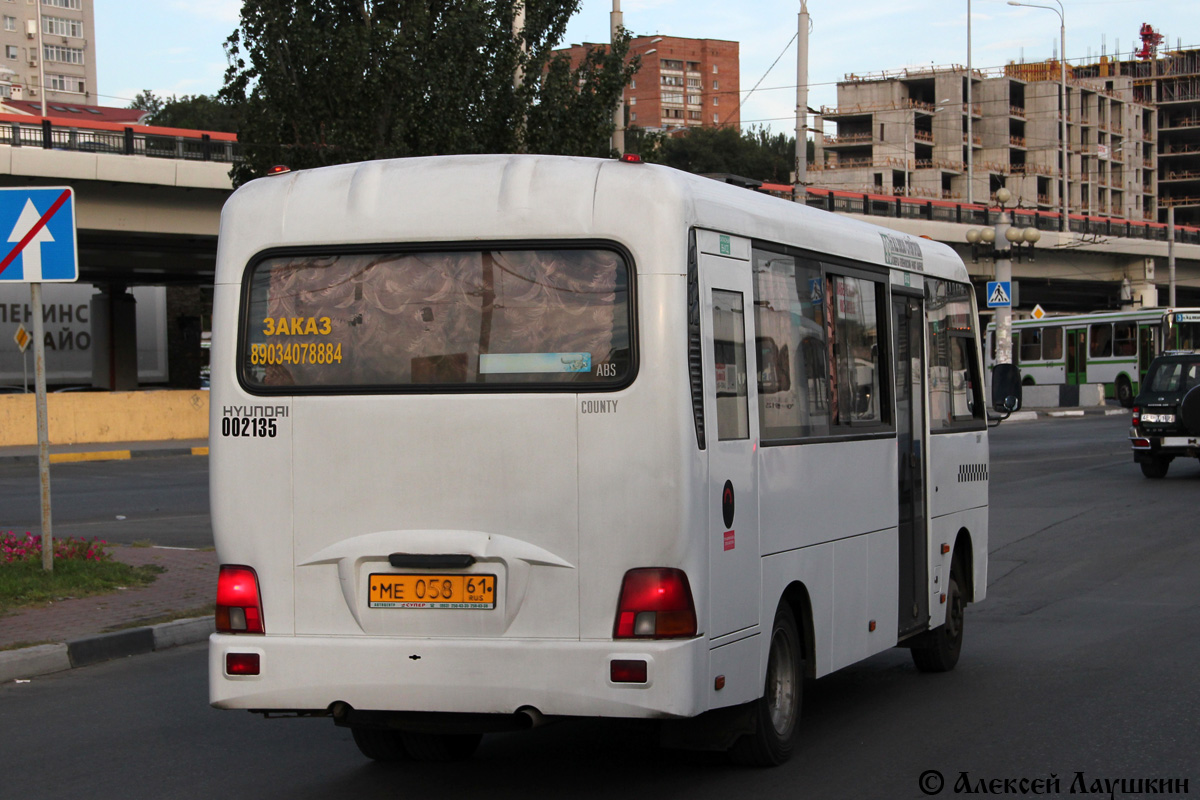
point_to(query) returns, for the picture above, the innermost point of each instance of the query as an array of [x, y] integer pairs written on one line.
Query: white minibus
[[501, 440]]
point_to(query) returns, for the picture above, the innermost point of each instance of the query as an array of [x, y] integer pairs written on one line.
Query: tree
[[756, 154], [196, 112], [333, 81]]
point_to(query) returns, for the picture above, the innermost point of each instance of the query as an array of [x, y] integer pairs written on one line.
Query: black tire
[[380, 744], [1124, 391], [441, 746], [777, 712], [1156, 468], [939, 649]]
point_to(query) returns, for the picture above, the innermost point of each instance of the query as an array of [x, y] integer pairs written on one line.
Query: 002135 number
[[257, 427]]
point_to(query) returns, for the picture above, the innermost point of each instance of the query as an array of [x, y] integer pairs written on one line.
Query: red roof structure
[[121, 116]]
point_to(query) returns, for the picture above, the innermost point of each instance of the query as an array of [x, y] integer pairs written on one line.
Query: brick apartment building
[[682, 83]]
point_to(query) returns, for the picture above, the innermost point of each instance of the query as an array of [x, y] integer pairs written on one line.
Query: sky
[[179, 42]]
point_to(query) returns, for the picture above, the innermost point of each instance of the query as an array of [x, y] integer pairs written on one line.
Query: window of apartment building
[[633, 83], [76, 5], [672, 97], [716, 85], [716, 119], [694, 115], [693, 99], [693, 83], [670, 63], [633, 101], [65, 55], [65, 83], [10, 51], [60, 26], [633, 116], [714, 69], [716, 101], [693, 66], [10, 23], [672, 80]]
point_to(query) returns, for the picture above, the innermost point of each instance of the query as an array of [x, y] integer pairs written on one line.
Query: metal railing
[[117, 140], [911, 207]]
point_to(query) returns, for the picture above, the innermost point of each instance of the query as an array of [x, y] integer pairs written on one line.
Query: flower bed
[[82, 567]]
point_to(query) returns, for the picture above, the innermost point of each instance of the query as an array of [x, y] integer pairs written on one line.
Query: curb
[[46, 659], [107, 455], [1066, 413]]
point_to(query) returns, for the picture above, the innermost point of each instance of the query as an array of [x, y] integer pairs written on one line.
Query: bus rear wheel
[[380, 744], [1124, 392], [777, 712], [939, 649]]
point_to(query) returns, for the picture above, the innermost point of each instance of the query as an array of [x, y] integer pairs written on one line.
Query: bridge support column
[[1143, 293], [114, 339]]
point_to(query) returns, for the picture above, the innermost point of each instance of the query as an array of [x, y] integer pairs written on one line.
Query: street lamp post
[[970, 111], [1004, 241], [1062, 88]]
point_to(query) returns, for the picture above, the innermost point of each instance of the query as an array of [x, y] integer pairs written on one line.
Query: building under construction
[[906, 132], [1133, 134], [1169, 81]]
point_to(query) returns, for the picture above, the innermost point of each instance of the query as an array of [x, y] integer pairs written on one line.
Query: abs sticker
[[254, 422]]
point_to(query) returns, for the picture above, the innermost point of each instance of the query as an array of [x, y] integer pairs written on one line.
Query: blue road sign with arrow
[[37, 235]]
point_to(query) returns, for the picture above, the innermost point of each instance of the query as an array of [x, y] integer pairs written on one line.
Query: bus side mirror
[[1006, 388]]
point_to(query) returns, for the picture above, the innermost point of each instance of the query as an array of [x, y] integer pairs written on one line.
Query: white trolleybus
[[499, 440], [1114, 348]]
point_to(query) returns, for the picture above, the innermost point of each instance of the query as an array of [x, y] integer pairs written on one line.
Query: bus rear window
[[448, 319]]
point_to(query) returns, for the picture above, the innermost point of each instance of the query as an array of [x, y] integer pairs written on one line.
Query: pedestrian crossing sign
[[37, 235], [999, 294]]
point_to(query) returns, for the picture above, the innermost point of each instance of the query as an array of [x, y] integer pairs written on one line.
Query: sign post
[[41, 248]]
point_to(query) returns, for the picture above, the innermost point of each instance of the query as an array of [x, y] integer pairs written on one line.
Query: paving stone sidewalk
[[188, 587]]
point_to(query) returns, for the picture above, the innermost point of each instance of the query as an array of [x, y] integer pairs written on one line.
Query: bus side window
[[1100, 336], [1052, 341], [729, 357], [1125, 339]]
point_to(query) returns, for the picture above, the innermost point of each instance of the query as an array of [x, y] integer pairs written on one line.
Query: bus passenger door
[[1147, 349], [731, 405], [1077, 356], [908, 327]]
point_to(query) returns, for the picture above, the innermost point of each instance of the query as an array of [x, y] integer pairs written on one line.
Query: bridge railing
[[55, 133], [886, 205]]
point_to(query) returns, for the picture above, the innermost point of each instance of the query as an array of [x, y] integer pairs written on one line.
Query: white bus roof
[[531, 197]]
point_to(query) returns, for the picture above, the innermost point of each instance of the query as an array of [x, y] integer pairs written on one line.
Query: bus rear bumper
[[469, 676]]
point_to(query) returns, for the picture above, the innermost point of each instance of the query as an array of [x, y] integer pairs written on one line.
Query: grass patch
[[25, 583]]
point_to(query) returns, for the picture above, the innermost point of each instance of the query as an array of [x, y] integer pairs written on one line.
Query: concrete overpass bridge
[[1084, 269], [148, 204]]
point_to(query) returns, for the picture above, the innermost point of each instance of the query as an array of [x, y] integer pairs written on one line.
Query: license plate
[[432, 591]]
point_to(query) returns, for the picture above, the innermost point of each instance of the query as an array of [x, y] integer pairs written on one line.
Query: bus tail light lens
[[239, 605], [656, 603], [627, 671], [242, 664]]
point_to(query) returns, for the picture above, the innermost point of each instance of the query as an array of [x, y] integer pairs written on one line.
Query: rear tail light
[[627, 671], [1137, 416], [239, 605], [656, 603], [242, 664]]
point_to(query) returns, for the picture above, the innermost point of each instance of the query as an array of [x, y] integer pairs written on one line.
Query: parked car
[[1166, 413]]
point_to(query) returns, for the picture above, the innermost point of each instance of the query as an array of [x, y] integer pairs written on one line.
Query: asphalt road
[[1081, 660], [163, 501]]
